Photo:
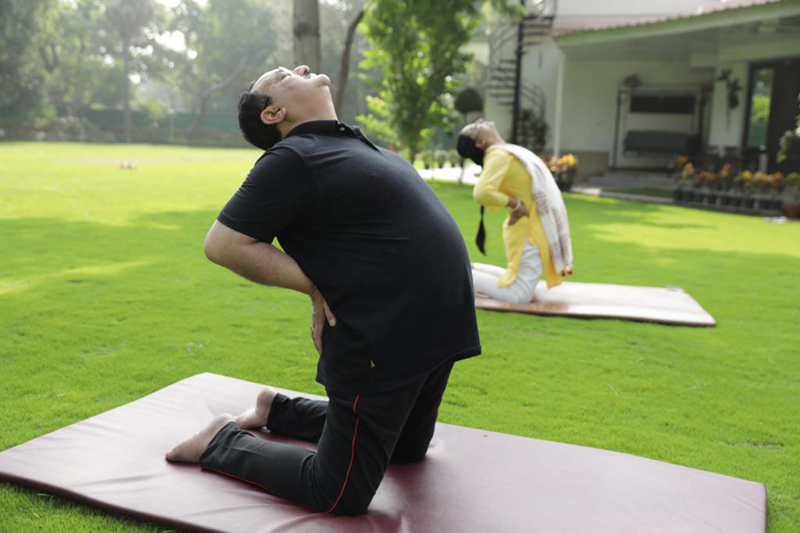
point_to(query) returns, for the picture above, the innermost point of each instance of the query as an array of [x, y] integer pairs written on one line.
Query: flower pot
[[791, 210]]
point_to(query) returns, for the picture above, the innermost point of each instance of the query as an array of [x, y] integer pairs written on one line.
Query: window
[[670, 105]]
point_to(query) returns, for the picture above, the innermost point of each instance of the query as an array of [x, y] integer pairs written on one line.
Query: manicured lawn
[[105, 296], [658, 193]]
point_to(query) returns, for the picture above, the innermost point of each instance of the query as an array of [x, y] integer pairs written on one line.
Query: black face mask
[[465, 145]]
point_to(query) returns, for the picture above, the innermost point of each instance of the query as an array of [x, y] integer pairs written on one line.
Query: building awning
[[737, 30], [565, 24]]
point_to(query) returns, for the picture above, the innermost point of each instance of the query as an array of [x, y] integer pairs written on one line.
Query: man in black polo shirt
[[389, 279]]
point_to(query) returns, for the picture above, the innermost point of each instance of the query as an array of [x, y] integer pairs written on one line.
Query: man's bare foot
[[190, 450], [256, 417]]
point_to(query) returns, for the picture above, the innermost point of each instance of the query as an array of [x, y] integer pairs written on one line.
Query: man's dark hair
[[255, 132], [465, 145]]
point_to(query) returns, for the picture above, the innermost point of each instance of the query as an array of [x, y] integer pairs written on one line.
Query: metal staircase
[[505, 76]]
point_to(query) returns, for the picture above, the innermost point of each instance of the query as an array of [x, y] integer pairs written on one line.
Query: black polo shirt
[[377, 242]]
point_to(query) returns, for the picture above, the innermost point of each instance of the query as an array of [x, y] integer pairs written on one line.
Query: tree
[[306, 34], [70, 53], [417, 61], [225, 38], [468, 101], [127, 20], [344, 65], [21, 73]]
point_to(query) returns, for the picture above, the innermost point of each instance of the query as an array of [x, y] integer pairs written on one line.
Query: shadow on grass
[[61, 259]]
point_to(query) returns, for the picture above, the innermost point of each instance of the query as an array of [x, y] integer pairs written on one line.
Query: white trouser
[[521, 291]]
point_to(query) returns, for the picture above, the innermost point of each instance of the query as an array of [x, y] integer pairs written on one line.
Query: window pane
[[759, 107], [673, 105]]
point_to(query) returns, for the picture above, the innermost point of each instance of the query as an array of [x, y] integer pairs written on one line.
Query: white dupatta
[[549, 204]]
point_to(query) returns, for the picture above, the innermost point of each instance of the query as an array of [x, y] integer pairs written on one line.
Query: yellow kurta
[[503, 176]]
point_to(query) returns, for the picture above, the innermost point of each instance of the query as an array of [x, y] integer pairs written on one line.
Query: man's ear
[[273, 115], [480, 143]]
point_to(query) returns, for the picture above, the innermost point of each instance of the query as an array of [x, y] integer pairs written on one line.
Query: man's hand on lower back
[[320, 312]]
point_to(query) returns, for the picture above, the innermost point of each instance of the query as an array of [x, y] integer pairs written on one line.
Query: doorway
[[772, 108]]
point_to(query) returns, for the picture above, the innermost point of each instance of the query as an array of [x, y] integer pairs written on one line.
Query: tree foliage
[[416, 61], [72, 54], [228, 42], [131, 26], [21, 74], [468, 101]]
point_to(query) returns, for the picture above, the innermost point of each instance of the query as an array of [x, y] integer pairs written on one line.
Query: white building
[[631, 84]]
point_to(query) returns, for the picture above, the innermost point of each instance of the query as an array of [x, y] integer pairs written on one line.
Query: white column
[[562, 67]]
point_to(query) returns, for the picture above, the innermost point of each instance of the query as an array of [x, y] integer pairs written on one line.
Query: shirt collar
[[329, 127], [319, 126]]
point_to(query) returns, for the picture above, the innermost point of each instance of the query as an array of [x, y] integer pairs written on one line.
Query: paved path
[[603, 186]]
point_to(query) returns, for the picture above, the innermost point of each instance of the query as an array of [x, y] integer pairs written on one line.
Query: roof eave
[[717, 19]]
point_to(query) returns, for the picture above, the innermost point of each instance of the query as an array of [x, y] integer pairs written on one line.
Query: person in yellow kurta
[[536, 230]]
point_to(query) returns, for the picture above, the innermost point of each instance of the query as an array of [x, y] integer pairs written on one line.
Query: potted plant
[[725, 184], [745, 181], [441, 158], [563, 170], [777, 182], [679, 193], [791, 198], [710, 183], [688, 178]]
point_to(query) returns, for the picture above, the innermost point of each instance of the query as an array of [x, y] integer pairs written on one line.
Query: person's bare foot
[[190, 450], [256, 417]]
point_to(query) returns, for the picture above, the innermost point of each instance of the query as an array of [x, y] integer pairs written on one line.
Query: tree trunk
[[198, 117], [77, 97], [306, 34], [214, 88], [412, 154], [127, 93], [344, 68]]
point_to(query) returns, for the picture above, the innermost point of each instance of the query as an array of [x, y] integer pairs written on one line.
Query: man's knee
[[409, 454], [352, 506]]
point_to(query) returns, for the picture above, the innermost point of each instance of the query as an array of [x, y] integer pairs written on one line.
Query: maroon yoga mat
[[472, 480], [596, 300]]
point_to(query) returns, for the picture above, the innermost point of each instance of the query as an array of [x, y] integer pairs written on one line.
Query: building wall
[[727, 126], [539, 68], [590, 104]]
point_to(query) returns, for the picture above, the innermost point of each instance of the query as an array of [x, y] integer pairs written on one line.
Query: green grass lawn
[[658, 193], [105, 296]]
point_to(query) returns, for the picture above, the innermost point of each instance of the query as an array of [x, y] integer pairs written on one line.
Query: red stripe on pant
[[352, 457]]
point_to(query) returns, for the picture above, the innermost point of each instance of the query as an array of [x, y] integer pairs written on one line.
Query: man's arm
[[255, 260], [263, 263]]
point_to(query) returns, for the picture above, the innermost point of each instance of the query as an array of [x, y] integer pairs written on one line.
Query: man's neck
[[288, 125]]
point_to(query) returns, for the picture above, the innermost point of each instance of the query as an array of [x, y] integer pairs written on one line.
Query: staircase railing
[[505, 83]]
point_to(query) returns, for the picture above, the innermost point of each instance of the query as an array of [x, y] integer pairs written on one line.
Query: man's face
[[293, 89], [480, 130]]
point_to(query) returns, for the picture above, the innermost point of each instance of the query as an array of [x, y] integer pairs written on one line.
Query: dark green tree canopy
[[469, 101]]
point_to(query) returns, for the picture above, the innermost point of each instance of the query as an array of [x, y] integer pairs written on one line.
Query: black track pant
[[357, 434]]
